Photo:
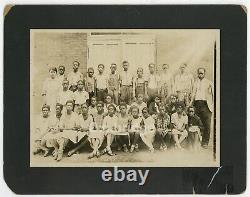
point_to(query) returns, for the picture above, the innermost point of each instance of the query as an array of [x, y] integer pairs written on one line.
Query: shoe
[[59, 156], [205, 146], [119, 148], [97, 154], [137, 148], [91, 155], [46, 153], [125, 148], [132, 148], [36, 151], [152, 150], [161, 147], [164, 148]]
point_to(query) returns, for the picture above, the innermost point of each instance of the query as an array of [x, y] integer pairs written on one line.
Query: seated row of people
[[100, 128]]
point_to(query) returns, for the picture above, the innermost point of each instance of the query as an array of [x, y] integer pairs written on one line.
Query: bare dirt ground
[[169, 158]]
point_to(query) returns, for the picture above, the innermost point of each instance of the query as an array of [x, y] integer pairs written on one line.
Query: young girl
[[85, 120], [139, 86], [50, 89], [148, 133], [96, 134], [134, 128], [80, 96], [68, 127], [110, 127]]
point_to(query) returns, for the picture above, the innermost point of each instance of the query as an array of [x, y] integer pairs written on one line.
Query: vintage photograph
[[124, 97]]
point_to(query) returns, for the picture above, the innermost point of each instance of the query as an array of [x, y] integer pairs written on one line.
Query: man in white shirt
[[202, 99], [101, 84], [152, 83], [183, 84], [126, 83], [61, 74], [65, 94], [166, 83], [74, 76]]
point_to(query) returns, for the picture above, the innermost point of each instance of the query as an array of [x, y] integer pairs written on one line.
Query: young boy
[[65, 94], [195, 127], [166, 83], [80, 96], [61, 75], [162, 126], [74, 76], [101, 83], [139, 103], [51, 87], [180, 125], [96, 134], [110, 127], [152, 83], [90, 83], [113, 83], [134, 128], [148, 133], [139, 86], [92, 106], [126, 83]]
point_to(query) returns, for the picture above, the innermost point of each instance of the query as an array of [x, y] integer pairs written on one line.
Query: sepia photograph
[[124, 97]]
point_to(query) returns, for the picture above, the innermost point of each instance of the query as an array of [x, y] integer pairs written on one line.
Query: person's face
[[140, 98], [99, 107], [125, 66], [182, 68], [123, 109], [173, 99], [80, 85], [45, 112], [93, 101], [165, 68], [151, 69], [52, 74], [61, 70], [201, 74], [84, 109], [69, 106], [100, 69], [65, 86], [179, 110], [134, 112], [140, 72], [58, 109], [113, 69], [90, 72], [145, 113], [111, 110], [108, 99], [191, 112], [162, 109], [75, 66], [157, 100]]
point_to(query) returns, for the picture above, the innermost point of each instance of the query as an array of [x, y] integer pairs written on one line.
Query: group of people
[[158, 110]]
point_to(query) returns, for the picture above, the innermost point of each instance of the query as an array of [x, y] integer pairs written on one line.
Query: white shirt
[[149, 123], [183, 82], [74, 77], [179, 121], [110, 123], [101, 81], [126, 78], [64, 96], [81, 97], [153, 80], [201, 90]]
